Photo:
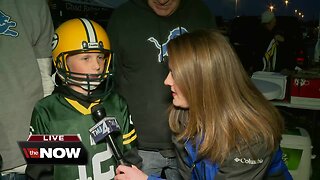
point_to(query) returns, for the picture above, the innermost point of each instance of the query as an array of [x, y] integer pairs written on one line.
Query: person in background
[[223, 126], [26, 31], [83, 60], [267, 43], [139, 32]]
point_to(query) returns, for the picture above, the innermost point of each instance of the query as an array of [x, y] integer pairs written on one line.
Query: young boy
[[82, 58]]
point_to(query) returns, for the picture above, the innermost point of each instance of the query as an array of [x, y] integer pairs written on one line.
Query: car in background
[[244, 29]]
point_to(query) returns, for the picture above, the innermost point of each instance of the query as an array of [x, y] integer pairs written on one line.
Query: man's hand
[[279, 38]]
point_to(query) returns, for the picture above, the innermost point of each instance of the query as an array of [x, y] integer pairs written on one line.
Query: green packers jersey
[[56, 114]]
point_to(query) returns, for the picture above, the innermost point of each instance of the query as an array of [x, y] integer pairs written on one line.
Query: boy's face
[[85, 63]]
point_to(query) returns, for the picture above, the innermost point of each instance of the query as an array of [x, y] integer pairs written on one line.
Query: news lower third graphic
[[54, 149]]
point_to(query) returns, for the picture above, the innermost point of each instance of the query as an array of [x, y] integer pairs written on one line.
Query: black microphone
[[104, 128]]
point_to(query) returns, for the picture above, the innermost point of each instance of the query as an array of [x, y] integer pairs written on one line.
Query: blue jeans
[[154, 163], [13, 176]]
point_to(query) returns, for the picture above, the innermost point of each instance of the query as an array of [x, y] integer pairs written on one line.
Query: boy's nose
[[95, 65]]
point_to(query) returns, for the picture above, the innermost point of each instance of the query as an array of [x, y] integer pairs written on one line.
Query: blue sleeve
[[278, 166]]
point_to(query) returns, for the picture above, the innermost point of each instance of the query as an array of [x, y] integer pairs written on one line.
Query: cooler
[[274, 77], [296, 147], [305, 90]]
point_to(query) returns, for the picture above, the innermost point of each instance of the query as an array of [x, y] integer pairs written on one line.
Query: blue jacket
[[270, 166]]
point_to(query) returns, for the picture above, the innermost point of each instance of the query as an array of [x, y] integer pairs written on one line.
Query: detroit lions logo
[[163, 47], [6, 24]]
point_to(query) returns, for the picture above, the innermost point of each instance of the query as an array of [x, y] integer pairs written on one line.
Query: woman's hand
[[129, 173]]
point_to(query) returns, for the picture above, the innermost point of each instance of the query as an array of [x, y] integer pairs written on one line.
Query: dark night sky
[[226, 8]]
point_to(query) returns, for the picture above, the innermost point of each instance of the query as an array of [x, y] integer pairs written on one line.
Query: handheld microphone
[[103, 129]]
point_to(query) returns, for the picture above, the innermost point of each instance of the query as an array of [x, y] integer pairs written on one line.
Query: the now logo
[[52, 152], [53, 149]]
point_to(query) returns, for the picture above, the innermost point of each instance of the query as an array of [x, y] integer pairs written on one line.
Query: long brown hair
[[226, 111]]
